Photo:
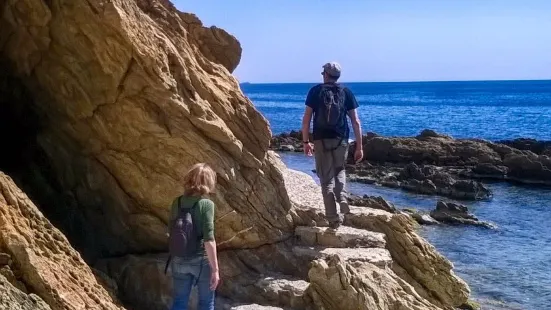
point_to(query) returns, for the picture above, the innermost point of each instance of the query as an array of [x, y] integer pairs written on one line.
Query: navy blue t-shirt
[[313, 100]]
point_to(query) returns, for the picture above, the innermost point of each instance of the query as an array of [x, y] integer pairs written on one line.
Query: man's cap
[[333, 69]]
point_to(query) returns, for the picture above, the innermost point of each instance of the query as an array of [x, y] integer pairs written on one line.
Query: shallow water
[[506, 268]]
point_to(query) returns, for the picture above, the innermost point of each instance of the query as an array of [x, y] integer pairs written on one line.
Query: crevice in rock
[[28, 163]]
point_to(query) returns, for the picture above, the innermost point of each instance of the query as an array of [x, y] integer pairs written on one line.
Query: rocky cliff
[[128, 95], [104, 105]]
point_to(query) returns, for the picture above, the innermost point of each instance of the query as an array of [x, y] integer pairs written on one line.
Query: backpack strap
[[198, 231]]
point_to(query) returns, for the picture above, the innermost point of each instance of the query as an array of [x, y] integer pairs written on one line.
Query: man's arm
[[352, 108], [306, 119], [353, 114]]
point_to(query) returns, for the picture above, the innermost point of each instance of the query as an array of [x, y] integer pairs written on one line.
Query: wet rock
[[287, 148], [490, 170], [429, 133], [420, 217], [371, 202], [453, 213], [470, 305], [430, 180], [529, 168], [282, 141], [527, 144]]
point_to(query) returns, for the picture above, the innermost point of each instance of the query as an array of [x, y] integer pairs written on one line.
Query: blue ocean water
[[506, 268], [490, 110]]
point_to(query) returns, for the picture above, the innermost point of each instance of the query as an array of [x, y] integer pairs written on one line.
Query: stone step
[[277, 290], [376, 256], [251, 307], [343, 237]]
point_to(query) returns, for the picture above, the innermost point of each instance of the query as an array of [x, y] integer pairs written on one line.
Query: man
[[329, 103]]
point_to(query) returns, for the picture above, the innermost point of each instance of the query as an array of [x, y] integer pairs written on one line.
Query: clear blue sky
[[378, 40]]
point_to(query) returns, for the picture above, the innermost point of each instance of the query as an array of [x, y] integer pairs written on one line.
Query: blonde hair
[[199, 180]]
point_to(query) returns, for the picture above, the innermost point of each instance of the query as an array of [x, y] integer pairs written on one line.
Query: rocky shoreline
[[436, 164], [106, 104]]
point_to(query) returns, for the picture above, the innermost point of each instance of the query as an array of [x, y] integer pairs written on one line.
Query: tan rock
[[131, 94], [344, 237], [337, 285], [254, 307], [414, 259], [47, 263], [14, 299], [375, 256], [424, 267]]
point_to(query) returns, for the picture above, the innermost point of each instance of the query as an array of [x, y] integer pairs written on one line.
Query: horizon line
[[418, 81]]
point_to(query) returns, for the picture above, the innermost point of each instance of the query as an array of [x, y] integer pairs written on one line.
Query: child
[[191, 240]]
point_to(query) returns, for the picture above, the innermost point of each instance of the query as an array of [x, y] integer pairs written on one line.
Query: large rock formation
[[129, 94], [114, 101], [533, 145], [460, 154], [39, 259], [436, 164], [14, 299]]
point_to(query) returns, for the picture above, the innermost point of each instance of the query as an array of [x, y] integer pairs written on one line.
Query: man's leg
[[181, 291], [326, 174], [206, 296], [339, 157]]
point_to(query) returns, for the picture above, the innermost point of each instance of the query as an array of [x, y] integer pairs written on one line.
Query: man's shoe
[[334, 225]]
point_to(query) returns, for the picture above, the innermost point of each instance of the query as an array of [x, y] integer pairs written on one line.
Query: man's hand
[[308, 149], [358, 155], [214, 280]]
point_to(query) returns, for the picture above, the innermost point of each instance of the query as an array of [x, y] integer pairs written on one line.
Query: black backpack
[[331, 112], [183, 236]]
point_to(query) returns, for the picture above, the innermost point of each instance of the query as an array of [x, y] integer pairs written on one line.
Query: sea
[[506, 268]]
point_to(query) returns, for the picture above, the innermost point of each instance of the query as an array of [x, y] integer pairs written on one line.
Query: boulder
[[486, 169], [415, 260], [453, 213], [529, 167], [46, 263], [371, 202], [420, 217], [429, 133], [287, 148], [361, 286], [431, 180], [14, 299]]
